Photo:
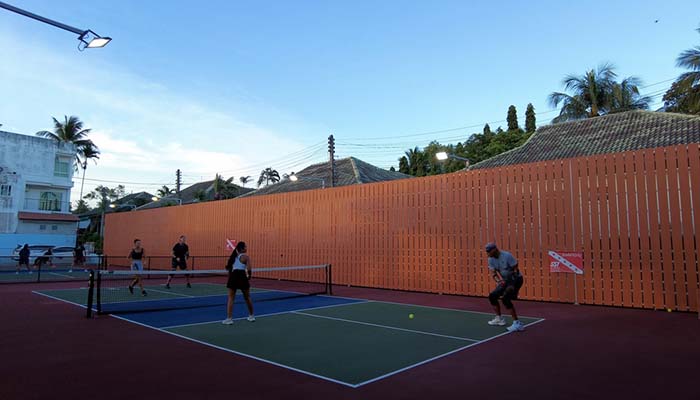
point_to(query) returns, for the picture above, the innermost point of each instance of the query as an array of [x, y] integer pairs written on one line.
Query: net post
[[330, 279], [38, 269], [192, 262], [99, 293], [91, 289]]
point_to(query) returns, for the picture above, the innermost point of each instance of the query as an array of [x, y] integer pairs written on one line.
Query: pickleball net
[[207, 288]]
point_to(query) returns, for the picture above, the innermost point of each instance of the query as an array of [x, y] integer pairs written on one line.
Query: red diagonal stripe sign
[[567, 262]]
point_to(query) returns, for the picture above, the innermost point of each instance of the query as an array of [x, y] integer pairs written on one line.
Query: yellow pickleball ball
[[410, 316]]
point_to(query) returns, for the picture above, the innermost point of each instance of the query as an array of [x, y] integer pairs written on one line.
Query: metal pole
[[42, 19]]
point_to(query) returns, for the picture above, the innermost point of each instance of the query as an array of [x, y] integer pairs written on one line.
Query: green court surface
[[352, 342], [45, 276]]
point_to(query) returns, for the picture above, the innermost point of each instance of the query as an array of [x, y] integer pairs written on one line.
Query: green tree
[[224, 189], [105, 195], [268, 175], [245, 179], [597, 93], [81, 207], [684, 94], [403, 165], [487, 130], [625, 96], [418, 164], [200, 195], [512, 118], [165, 191], [530, 121], [72, 130], [392, 169]]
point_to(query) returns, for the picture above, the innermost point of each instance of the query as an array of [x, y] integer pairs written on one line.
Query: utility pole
[[331, 152], [178, 182]]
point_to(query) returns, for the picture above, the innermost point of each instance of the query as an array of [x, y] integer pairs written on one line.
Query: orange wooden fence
[[633, 215]]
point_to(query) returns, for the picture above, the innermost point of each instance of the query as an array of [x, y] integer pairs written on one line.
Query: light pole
[[294, 177], [442, 156], [88, 39], [115, 206]]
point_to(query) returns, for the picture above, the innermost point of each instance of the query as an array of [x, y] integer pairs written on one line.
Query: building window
[[61, 168], [5, 190], [42, 227], [54, 227], [49, 201]]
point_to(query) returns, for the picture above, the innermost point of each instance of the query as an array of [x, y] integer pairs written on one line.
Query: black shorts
[[516, 283], [23, 261], [237, 279], [179, 263]]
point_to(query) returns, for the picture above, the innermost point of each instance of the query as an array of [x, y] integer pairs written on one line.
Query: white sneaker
[[516, 327], [498, 320], [17, 273], [251, 318], [70, 270], [227, 321]]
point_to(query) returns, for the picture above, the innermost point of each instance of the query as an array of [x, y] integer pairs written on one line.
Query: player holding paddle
[[239, 268], [504, 269]]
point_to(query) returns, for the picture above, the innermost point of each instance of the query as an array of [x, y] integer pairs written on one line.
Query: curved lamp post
[[88, 39]]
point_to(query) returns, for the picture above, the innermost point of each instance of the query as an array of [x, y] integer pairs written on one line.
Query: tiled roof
[[632, 130], [349, 171], [31, 216]]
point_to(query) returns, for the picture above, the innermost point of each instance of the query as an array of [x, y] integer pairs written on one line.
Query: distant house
[[348, 171], [201, 191], [613, 133], [36, 177]]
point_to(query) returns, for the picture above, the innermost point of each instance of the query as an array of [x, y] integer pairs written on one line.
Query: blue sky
[[236, 86]]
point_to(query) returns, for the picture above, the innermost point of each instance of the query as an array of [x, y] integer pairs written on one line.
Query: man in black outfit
[[181, 252]]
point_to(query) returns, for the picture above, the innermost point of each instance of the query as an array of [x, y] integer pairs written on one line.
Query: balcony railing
[[46, 205]]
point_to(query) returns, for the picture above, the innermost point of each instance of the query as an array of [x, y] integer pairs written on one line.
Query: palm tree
[[245, 179], [71, 131], [89, 152], [418, 165], [165, 191], [684, 94], [625, 96], [591, 94], [597, 93], [224, 189], [268, 175]]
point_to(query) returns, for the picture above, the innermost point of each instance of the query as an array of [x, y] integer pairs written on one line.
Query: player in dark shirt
[[181, 252]]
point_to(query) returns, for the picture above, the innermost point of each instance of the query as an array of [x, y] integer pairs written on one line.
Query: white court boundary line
[[354, 386], [218, 321], [385, 326]]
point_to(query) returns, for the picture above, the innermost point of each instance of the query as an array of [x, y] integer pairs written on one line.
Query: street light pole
[[88, 38], [442, 156]]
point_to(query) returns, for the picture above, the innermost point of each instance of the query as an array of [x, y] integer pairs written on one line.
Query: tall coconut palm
[[625, 96], [268, 175], [684, 94], [591, 94], [89, 152], [71, 131], [597, 93]]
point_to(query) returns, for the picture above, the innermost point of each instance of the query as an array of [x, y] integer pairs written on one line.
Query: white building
[[36, 177]]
